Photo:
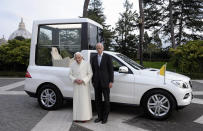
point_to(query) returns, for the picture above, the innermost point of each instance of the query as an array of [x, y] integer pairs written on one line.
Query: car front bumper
[[184, 99]]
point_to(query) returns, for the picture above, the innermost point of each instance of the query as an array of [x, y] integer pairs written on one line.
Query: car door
[[123, 86]]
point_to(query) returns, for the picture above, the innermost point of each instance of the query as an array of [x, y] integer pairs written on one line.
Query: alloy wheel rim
[[158, 105], [48, 97]]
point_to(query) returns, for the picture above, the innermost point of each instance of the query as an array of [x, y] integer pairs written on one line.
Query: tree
[[147, 41], [19, 38], [132, 46], [184, 16], [141, 26], [125, 37], [85, 7], [171, 24], [188, 20], [153, 12], [151, 48], [15, 55], [157, 41], [95, 12], [108, 36]]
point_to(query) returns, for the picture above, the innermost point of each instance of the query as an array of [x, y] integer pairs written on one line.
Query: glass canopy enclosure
[[60, 41]]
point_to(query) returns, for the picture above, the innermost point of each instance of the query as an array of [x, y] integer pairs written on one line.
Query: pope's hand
[[78, 81]]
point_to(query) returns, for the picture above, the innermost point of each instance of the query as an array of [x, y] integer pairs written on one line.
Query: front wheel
[[158, 104], [49, 97]]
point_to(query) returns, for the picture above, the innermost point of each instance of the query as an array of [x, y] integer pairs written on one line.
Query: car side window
[[116, 64]]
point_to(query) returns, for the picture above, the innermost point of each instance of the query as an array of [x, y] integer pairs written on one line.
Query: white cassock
[[82, 108]]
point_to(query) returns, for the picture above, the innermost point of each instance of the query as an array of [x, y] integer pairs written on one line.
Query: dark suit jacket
[[102, 74]]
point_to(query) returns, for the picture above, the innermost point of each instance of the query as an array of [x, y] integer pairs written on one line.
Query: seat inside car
[[57, 59]]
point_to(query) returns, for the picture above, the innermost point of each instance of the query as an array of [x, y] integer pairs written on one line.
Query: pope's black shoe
[[97, 120]]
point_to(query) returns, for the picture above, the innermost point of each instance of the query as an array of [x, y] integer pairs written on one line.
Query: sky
[[11, 12]]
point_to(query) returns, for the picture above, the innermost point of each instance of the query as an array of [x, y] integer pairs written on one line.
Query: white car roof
[[61, 21]]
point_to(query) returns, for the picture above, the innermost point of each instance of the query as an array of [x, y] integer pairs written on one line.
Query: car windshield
[[130, 62]]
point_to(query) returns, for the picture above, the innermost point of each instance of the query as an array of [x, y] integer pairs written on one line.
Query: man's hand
[[110, 85]]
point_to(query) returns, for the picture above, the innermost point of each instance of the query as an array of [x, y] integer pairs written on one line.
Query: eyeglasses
[[98, 48]]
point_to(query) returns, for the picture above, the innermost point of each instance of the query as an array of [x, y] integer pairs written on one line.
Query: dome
[[20, 32], [3, 41]]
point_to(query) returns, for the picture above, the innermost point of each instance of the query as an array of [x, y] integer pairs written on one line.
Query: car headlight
[[190, 82], [185, 85], [176, 82], [179, 83]]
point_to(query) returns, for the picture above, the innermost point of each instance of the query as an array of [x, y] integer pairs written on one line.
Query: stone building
[[20, 32], [3, 41]]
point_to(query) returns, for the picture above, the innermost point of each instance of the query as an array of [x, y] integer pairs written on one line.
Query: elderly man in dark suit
[[102, 81]]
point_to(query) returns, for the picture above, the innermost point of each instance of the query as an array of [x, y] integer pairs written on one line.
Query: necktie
[[99, 59]]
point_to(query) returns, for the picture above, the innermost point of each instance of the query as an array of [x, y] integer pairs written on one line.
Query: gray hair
[[78, 53], [100, 44]]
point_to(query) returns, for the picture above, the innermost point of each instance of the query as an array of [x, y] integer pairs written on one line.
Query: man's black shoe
[[97, 120], [104, 121]]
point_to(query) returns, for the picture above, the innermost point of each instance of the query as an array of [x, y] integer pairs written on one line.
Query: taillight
[[27, 75]]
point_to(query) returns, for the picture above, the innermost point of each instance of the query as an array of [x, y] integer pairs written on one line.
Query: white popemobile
[[52, 47]]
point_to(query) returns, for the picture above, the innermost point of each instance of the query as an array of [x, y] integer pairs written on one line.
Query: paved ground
[[19, 112]]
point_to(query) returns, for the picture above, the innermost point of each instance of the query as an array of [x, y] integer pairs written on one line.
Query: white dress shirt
[[99, 57]]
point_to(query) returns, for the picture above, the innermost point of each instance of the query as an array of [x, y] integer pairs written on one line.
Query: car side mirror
[[123, 69]]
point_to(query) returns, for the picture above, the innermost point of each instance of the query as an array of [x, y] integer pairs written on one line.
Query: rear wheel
[[49, 97], [158, 104]]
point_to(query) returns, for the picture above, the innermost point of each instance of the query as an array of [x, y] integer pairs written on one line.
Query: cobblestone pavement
[[19, 112]]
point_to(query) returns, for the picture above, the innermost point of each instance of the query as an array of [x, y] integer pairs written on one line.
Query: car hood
[[151, 72]]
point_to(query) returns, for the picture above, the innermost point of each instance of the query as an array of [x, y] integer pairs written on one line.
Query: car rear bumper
[[31, 94]]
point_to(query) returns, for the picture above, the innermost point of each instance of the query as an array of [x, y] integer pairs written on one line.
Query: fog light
[[186, 96]]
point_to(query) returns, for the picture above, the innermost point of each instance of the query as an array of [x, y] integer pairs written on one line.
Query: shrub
[[14, 55], [188, 57]]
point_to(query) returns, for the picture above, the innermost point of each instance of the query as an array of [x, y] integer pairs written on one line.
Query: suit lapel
[[97, 60]]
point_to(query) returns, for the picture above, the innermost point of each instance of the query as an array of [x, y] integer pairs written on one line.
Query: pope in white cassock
[[81, 74]]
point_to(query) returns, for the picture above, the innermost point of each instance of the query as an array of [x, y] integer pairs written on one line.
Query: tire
[[49, 97], [158, 104]]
